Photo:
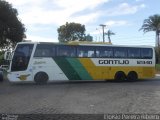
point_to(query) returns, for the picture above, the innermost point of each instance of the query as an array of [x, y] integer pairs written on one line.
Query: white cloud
[[54, 12], [124, 9], [79, 5], [39, 16], [26, 2], [37, 11], [55, 17], [84, 19], [112, 23], [40, 28]]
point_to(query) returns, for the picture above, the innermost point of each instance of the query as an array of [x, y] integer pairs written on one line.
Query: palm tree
[[109, 33], [152, 24]]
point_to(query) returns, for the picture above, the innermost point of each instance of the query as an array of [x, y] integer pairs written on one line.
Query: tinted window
[[120, 52], [21, 57], [146, 53], [45, 50], [104, 52], [133, 53], [66, 51], [85, 51]]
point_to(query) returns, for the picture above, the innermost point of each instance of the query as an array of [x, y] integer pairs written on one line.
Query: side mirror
[[8, 55]]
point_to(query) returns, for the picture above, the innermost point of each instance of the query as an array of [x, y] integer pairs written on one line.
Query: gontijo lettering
[[113, 61]]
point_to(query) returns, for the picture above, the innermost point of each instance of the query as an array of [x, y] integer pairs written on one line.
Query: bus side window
[[85, 51], [85, 54], [45, 53], [79, 54], [66, 51], [104, 52], [133, 53], [146, 53], [90, 53], [42, 53], [97, 53], [45, 50], [120, 52]]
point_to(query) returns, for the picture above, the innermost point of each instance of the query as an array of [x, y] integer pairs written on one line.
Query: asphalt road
[[81, 97]]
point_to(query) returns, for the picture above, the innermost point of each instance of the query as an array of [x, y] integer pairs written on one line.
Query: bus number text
[[144, 62]]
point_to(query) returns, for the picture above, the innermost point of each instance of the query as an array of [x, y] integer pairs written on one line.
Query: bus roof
[[84, 43]]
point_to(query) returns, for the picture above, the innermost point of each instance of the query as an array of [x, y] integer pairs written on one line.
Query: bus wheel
[[132, 76], [41, 78], [120, 76]]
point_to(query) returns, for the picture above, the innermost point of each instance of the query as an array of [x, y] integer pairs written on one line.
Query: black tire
[[120, 76], [41, 78], [132, 76], [1, 76]]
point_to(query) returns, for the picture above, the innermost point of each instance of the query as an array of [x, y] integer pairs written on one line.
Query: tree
[[11, 28], [152, 24], [88, 38], [109, 33], [71, 32]]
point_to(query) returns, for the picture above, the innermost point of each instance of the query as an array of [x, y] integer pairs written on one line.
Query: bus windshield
[[21, 57]]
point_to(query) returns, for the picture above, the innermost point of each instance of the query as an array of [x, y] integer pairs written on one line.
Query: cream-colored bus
[[41, 62]]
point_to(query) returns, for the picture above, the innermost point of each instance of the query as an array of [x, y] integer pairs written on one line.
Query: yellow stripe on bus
[[97, 72], [104, 72]]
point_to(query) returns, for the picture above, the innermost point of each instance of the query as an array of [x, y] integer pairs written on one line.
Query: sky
[[123, 17]]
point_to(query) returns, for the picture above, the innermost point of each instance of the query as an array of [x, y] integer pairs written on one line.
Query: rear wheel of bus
[[120, 76], [132, 76], [41, 78]]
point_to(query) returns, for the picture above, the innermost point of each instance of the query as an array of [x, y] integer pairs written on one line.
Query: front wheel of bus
[[41, 78], [132, 76], [120, 76]]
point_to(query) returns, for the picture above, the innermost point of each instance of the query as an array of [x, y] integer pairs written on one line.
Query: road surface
[[81, 97]]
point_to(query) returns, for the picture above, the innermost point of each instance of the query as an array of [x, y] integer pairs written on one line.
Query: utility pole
[[102, 25], [158, 37]]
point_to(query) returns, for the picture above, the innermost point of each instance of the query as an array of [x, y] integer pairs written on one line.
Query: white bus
[[41, 62]]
